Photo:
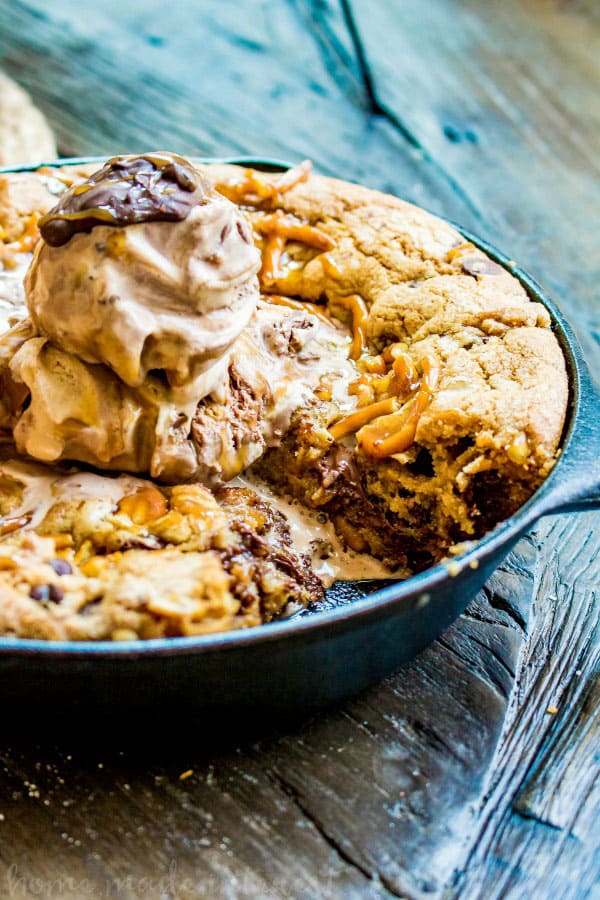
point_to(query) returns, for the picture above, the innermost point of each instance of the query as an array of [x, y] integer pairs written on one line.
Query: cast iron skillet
[[314, 660]]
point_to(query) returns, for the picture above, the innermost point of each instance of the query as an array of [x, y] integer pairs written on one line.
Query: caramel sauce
[[389, 425], [278, 229], [356, 420], [8, 525], [23, 244], [271, 259], [254, 188], [358, 309], [279, 224]]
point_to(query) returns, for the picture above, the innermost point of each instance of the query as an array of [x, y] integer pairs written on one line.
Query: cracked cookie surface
[[443, 416]]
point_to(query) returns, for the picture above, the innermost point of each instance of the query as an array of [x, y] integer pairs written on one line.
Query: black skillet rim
[[423, 583]]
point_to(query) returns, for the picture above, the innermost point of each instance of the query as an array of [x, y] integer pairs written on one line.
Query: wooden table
[[473, 772]]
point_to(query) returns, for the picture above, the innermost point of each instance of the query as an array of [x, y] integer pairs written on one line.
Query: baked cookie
[[87, 557], [382, 371], [25, 136], [460, 382]]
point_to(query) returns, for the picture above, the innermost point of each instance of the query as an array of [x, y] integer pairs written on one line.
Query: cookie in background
[[25, 135]]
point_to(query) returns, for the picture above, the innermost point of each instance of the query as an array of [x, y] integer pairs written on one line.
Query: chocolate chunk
[[61, 566], [479, 265], [45, 592], [154, 187]]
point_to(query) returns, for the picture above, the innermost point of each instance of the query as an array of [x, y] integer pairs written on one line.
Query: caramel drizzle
[[356, 420], [358, 309], [278, 230], [278, 223], [254, 188], [271, 259], [8, 525], [23, 244], [388, 426]]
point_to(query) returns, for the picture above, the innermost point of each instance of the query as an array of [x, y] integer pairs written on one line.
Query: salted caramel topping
[[292, 177], [145, 505], [406, 375], [153, 187], [388, 426], [254, 188], [271, 259], [279, 224], [373, 364], [278, 230], [357, 307], [23, 244], [8, 525], [352, 423]]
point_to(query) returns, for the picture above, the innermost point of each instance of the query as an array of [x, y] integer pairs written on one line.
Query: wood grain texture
[[451, 778], [506, 94]]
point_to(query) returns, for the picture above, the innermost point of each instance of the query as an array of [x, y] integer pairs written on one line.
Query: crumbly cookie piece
[[178, 561]]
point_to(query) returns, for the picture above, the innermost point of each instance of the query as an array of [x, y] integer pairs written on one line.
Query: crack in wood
[[492, 683], [344, 854], [489, 648], [378, 108], [500, 603], [519, 816]]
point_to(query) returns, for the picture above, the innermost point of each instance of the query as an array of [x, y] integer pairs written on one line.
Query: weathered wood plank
[[123, 78], [505, 96], [567, 769], [529, 843]]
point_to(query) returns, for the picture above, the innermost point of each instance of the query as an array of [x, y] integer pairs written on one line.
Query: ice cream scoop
[[80, 411], [149, 348], [143, 267]]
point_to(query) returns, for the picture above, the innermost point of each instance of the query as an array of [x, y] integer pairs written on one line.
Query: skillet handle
[[578, 489]]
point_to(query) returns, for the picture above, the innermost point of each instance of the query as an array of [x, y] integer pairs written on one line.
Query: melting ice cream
[[151, 351]]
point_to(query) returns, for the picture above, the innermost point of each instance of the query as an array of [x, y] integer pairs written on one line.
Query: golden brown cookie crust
[[485, 438], [409, 267]]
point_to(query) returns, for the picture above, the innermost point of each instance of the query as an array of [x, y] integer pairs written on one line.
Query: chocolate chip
[[479, 265], [40, 592], [61, 566], [45, 592], [56, 594]]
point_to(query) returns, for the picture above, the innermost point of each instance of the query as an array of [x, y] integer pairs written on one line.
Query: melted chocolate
[[153, 187]]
